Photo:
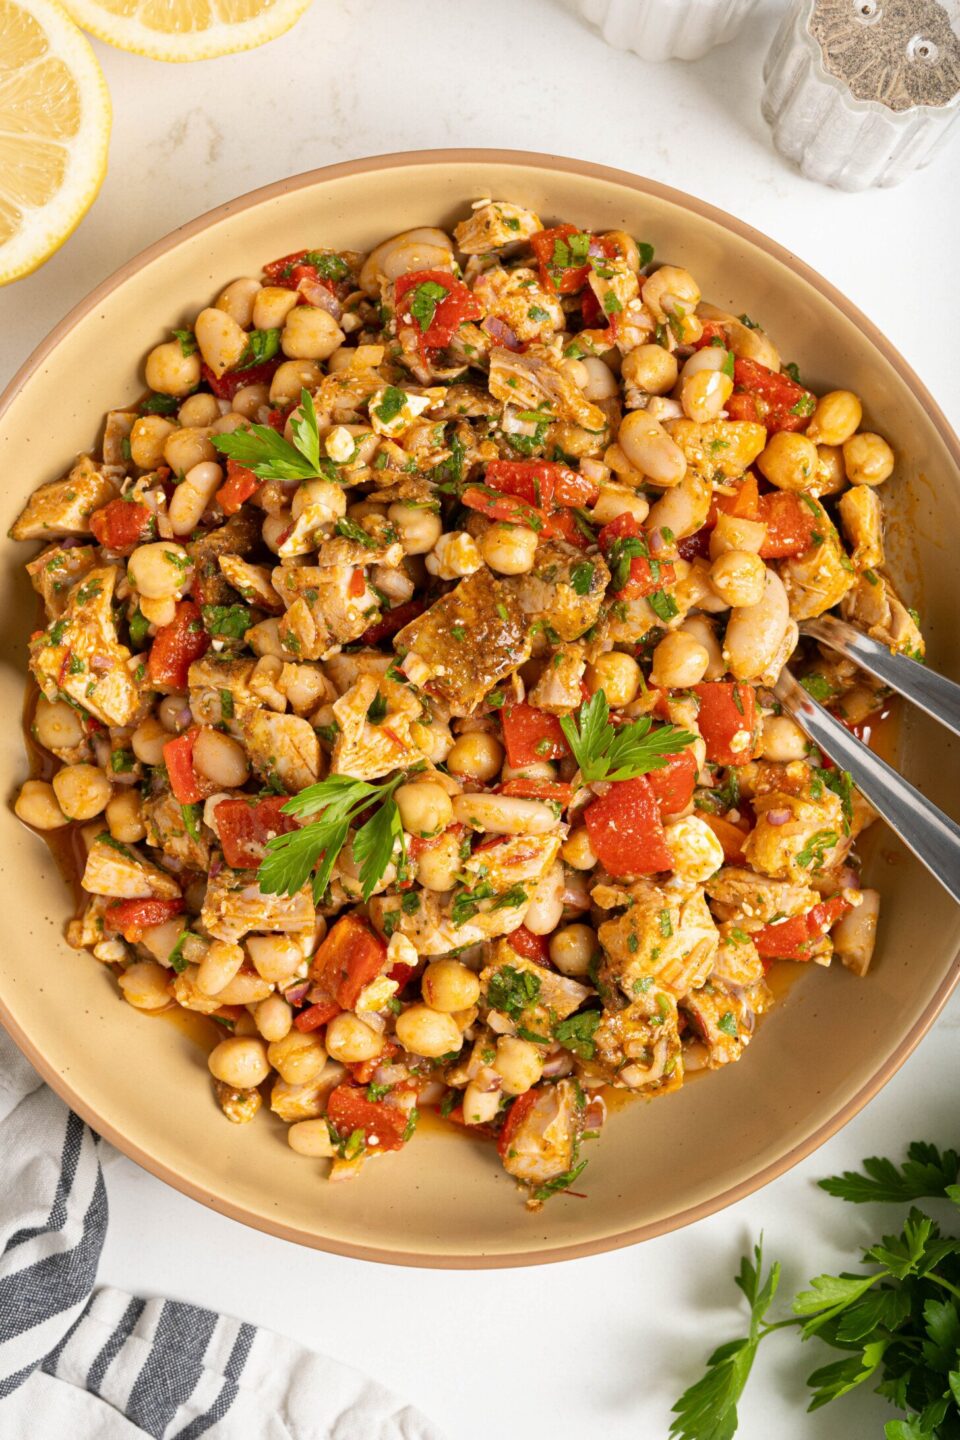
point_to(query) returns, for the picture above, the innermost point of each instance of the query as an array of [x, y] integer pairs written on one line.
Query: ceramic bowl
[[819, 1056]]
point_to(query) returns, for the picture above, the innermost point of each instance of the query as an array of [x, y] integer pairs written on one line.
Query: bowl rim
[[742, 1188]]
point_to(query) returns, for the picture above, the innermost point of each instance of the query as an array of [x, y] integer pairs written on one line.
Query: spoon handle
[[930, 692], [932, 836]]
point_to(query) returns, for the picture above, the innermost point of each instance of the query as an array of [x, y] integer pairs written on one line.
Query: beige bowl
[[816, 1060]]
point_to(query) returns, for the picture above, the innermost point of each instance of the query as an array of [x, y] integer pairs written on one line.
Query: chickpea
[[221, 759], [57, 725], [250, 400], [324, 496], [310, 334], [480, 1105], [158, 612], [782, 739], [650, 449], [432, 738], [159, 570], [299, 1057], [789, 461], [271, 306], [616, 674], [275, 958], [738, 576], [185, 448], [124, 818], [419, 529], [237, 300], [476, 755], [192, 496], [577, 850], [671, 290], [350, 1041], [836, 418], [170, 372], [867, 459], [650, 368], [274, 531], [448, 985], [292, 377], [82, 791], [240, 1062], [146, 986], [221, 340], [311, 1138], [439, 865], [423, 1031], [228, 423], [573, 948], [36, 805], [147, 440], [273, 1017], [733, 533], [704, 394], [679, 661], [148, 740], [219, 966], [617, 500], [509, 549], [704, 632], [831, 475], [425, 808], [198, 411], [518, 1063]]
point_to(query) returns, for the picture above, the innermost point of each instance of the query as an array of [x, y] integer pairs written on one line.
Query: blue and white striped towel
[[79, 1365]]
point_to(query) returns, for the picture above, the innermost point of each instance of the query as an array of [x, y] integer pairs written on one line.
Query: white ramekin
[[667, 29]]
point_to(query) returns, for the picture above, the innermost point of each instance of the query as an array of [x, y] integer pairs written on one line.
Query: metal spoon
[[932, 836]]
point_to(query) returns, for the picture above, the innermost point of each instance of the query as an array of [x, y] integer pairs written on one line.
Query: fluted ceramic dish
[[818, 1057]]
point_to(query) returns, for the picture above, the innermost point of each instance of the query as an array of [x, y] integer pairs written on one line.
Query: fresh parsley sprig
[[606, 752], [269, 456], [330, 809], [897, 1325]]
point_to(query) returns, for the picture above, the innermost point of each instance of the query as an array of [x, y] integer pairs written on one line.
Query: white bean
[[237, 300], [220, 338], [650, 449], [503, 814], [756, 632], [422, 248], [855, 936], [545, 910], [193, 495], [684, 508]]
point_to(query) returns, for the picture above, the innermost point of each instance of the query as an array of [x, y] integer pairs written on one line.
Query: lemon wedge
[[186, 29], [54, 132]]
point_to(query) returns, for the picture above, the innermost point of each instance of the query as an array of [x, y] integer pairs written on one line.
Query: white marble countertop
[[599, 1346]]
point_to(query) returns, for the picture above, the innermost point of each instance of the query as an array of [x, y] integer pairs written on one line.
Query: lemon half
[[54, 132], [186, 29]]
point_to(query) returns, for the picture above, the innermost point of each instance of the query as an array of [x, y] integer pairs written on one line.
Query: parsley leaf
[[330, 808], [814, 852], [232, 621], [426, 298], [188, 343], [262, 345], [577, 1031], [269, 456], [607, 753], [581, 577], [512, 991], [559, 1183], [926, 1171]]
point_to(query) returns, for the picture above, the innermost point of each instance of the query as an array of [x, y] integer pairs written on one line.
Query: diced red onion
[[320, 297], [656, 542], [778, 817], [502, 332], [295, 993], [559, 1064]]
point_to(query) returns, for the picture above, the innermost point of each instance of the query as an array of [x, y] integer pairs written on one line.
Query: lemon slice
[[186, 29], [54, 132]]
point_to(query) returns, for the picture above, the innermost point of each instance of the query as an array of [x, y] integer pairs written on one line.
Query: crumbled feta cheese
[[339, 444]]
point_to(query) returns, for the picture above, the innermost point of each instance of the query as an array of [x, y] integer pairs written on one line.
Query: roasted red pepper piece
[[348, 958], [793, 939], [391, 621], [530, 946], [555, 270], [188, 787], [727, 709], [122, 525], [176, 646], [790, 523], [238, 487], [530, 735], [537, 790], [516, 1115], [316, 1015], [132, 917], [769, 397], [226, 386], [459, 305], [245, 826], [625, 829], [348, 1109], [646, 574], [673, 785], [543, 483]]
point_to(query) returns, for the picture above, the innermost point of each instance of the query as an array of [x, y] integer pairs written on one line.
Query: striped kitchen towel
[[79, 1364]]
